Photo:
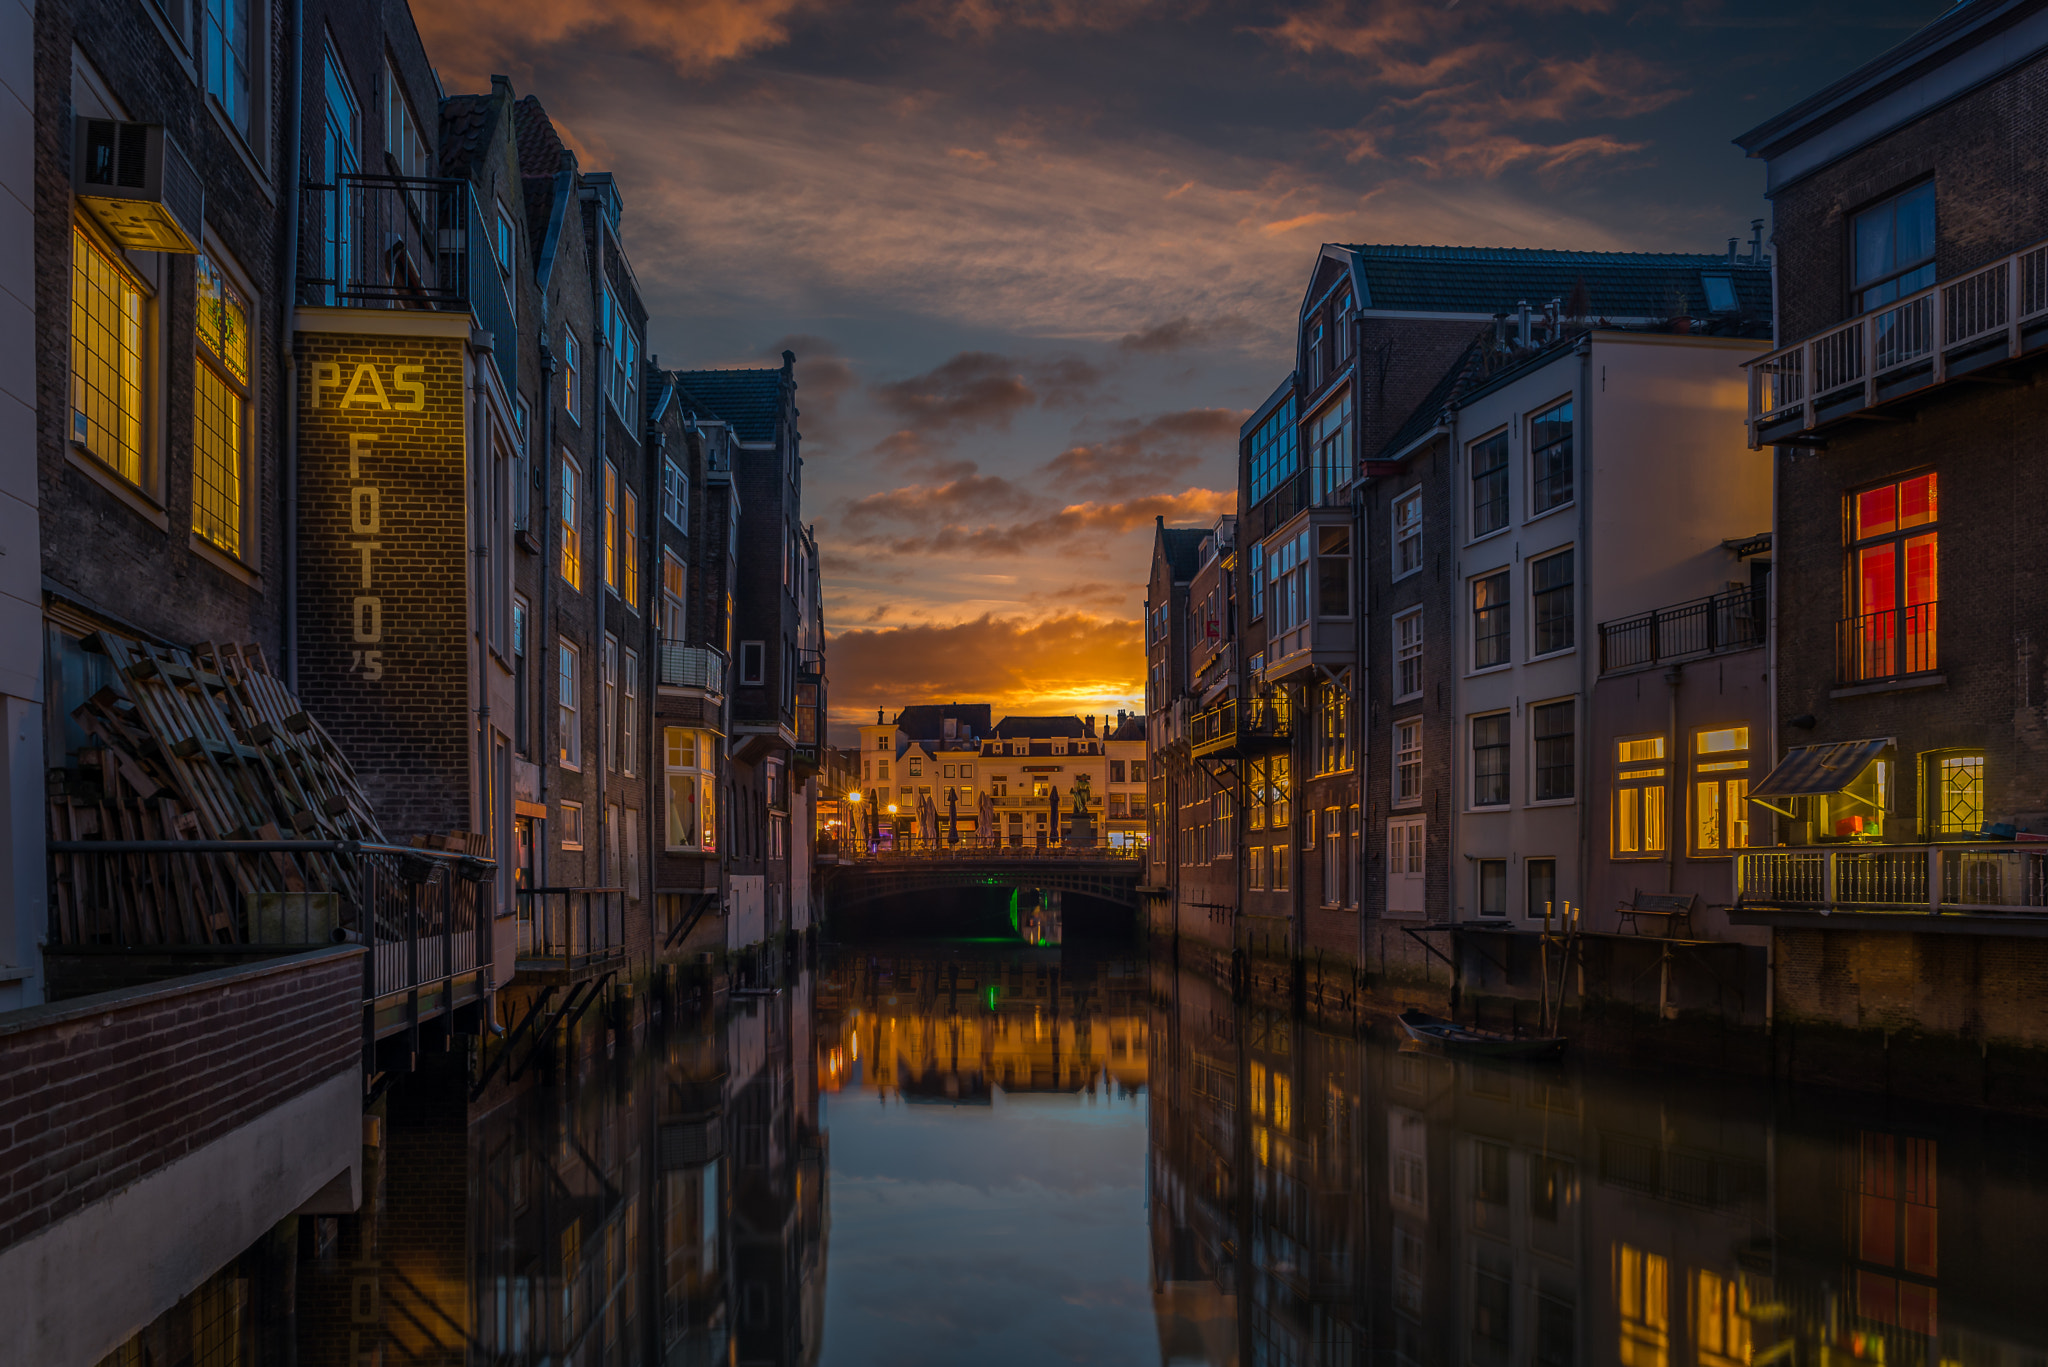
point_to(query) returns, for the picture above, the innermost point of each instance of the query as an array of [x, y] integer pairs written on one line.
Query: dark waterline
[[982, 1153]]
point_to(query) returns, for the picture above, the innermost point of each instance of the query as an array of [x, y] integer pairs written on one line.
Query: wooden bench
[[1670, 909]]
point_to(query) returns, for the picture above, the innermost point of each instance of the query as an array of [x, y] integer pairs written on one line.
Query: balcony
[[571, 930], [1692, 630], [1911, 880], [696, 667], [1989, 316], [1897, 645], [810, 712], [1234, 728]]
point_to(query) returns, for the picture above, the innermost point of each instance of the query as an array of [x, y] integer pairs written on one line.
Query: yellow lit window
[[1720, 790], [629, 576], [1721, 1320], [1283, 1102], [1956, 790], [1639, 788], [1258, 1081], [219, 409], [611, 526], [106, 358], [1642, 1293], [572, 541]]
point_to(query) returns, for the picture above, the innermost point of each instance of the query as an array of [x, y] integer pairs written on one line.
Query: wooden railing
[[1914, 878], [1896, 349]]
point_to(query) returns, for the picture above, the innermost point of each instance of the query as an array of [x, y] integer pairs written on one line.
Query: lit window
[[1550, 458], [220, 398], [1489, 484], [1408, 533], [689, 759], [1490, 621], [572, 376], [1490, 760], [611, 526], [568, 696], [107, 312], [672, 620], [1720, 790], [1333, 732], [1894, 246], [1643, 1296], [572, 539], [1408, 655], [1955, 793], [1639, 784], [1723, 1314], [1895, 580]]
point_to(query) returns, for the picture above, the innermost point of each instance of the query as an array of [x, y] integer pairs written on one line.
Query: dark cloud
[[983, 389], [924, 534], [931, 505], [1175, 334], [1144, 457]]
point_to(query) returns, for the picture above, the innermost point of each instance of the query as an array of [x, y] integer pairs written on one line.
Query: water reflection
[[1027, 1155]]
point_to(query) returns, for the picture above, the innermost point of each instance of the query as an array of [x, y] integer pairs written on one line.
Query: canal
[[924, 1153]]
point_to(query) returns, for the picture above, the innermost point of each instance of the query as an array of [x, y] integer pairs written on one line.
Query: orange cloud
[[1070, 662], [470, 38]]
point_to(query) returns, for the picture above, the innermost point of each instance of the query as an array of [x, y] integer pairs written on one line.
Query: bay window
[[689, 763]]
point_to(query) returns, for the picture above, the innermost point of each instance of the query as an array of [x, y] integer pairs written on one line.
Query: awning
[[1812, 770]]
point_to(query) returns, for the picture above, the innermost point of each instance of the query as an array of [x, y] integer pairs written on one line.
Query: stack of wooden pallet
[[205, 745]]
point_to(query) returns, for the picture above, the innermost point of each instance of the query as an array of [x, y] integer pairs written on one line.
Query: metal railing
[[1261, 720], [685, 666], [914, 850], [1735, 620], [391, 241], [1900, 347], [1917, 878], [571, 927], [1893, 644], [426, 917]]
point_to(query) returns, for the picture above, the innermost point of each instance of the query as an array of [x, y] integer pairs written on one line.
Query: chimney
[[1733, 242], [1522, 312], [1756, 242], [878, 716], [1091, 723]]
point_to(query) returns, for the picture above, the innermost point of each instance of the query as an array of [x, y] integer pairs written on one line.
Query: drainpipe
[[488, 798], [548, 570], [1360, 536], [650, 655], [288, 297], [602, 351], [1582, 444]]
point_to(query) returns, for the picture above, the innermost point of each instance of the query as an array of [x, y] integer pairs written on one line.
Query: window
[[630, 829], [1255, 868], [108, 347], [623, 347], [671, 598], [611, 526], [520, 722], [1542, 880], [1333, 572], [1639, 778], [675, 495], [230, 60], [1408, 655], [572, 537], [1720, 790], [1331, 444], [1490, 760], [629, 548], [1550, 602], [629, 715], [1258, 580], [504, 240], [1333, 729], [916, 766], [1490, 621], [1894, 575], [1116, 771], [572, 376], [572, 825], [1489, 484], [1643, 1295], [1954, 785], [1408, 761], [1894, 247], [220, 409], [1279, 879], [1280, 792], [522, 482], [402, 138], [1550, 458], [1555, 747], [568, 700], [1492, 876], [340, 155], [1287, 569], [882, 768], [688, 761], [1408, 533], [1405, 877], [753, 662], [1273, 453]]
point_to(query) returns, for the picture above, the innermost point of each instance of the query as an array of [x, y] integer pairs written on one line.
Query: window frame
[[699, 774], [1530, 909], [568, 704], [572, 375], [1480, 616], [758, 675], [1408, 653], [1566, 471], [572, 825], [1631, 779], [246, 552], [569, 520], [1934, 792], [1895, 282], [1566, 592], [1570, 737], [675, 494], [1481, 868], [1496, 501], [1723, 763], [1406, 532], [147, 377], [1903, 646], [1407, 760]]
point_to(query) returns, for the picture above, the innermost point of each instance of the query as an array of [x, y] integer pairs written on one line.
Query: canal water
[[987, 1153]]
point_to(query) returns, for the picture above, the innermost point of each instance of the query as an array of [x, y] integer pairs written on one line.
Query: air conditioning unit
[[138, 185]]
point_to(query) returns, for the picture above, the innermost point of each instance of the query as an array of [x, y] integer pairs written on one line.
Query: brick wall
[[385, 663], [98, 1095], [1978, 987]]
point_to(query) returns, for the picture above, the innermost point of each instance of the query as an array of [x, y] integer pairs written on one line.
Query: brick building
[[1909, 737]]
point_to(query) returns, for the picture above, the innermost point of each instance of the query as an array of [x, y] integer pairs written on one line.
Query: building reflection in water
[[1314, 1200]]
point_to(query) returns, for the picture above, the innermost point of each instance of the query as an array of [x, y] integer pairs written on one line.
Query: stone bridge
[[1112, 875]]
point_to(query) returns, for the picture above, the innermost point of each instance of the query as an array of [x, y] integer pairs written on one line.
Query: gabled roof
[[467, 123], [927, 721], [750, 400], [1182, 547], [1040, 728], [1130, 728], [1491, 280], [540, 147]]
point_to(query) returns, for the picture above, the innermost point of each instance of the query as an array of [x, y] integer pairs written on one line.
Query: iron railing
[[570, 928], [1260, 722], [1902, 347], [700, 667], [1894, 644], [915, 850], [1735, 620], [1914, 878], [391, 241]]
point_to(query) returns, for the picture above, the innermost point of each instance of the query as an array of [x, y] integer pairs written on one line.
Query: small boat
[[1435, 1031]]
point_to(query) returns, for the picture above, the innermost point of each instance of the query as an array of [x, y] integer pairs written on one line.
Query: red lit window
[[1895, 580]]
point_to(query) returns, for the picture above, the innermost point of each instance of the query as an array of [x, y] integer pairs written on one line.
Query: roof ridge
[[1442, 252]]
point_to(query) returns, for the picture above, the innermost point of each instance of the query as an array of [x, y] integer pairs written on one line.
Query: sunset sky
[[1037, 257]]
